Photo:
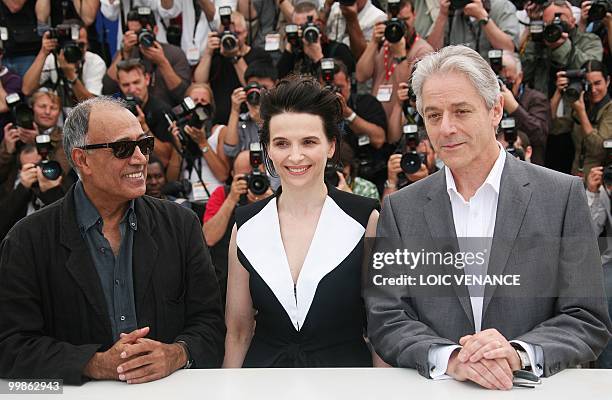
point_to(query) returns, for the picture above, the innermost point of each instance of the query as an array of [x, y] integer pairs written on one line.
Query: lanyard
[[388, 69]]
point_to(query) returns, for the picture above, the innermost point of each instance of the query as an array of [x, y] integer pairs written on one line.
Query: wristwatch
[[389, 185], [351, 117], [72, 81], [523, 357], [484, 21], [235, 59], [399, 60], [189, 362], [205, 149]]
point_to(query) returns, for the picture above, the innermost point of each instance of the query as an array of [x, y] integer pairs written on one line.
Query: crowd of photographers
[[192, 73]]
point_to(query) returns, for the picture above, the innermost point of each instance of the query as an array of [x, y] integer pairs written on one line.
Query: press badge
[[272, 42], [3, 33], [384, 93], [199, 194], [363, 140], [193, 54]]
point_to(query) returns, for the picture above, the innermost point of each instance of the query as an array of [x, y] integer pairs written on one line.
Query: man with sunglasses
[[118, 285], [74, 82]]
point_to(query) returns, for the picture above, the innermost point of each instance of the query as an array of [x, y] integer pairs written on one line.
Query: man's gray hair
[[77, 123], [516, 59], [459, 59]]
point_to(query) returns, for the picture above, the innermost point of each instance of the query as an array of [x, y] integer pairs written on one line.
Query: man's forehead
[[113, 122]]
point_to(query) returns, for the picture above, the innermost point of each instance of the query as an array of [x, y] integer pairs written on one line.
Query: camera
[[310, 31], [67, 37], [293, 37], [229, 40], [536, 30], [395, 28], [179, 189], [347, 2], [577, 84], [257, 181], [188, 113], [21, 113], [459, 4], [508, 128], [599, 9], [146, 38], [555, 29], [132, 102], [331, 173], [142, 15], [50, 169], [607, 172], [327, 74], [253, 93], [495, 60], [520, 4], [411, 160]]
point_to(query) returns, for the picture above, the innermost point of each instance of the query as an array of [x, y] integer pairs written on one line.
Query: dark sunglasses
[[125, 148]]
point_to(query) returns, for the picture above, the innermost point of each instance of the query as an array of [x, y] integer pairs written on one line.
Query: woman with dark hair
[[591, 118], [295, 259]]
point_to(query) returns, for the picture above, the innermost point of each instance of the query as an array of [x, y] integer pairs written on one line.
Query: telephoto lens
[[253, 93], [554, 31], [50, 169], [310, 31], [146, 38], [577, 84], [395, 27]]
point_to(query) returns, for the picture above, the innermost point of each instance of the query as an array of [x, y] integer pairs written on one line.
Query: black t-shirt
[[23, 39], [372, 162], [332, 49], [154, 112], [223, 80]]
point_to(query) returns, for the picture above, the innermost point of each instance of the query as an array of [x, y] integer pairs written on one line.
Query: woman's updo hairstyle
[[304, 95]]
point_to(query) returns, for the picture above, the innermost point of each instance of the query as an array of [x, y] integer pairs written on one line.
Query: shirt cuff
[[591, 197], [536, 356], [437, 358]]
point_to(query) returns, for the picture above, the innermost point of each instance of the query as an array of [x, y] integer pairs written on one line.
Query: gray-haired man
[[107, 283], [529, 212]]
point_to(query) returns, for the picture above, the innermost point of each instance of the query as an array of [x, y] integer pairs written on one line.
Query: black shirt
[[223, 80], [23, 39]]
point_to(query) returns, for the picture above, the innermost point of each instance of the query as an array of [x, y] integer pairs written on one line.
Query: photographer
[[134, 81], [30, 191], [199, 158], [167, 65], [75, 77], [157, 184], [219, 214], [527, 106], [195, 18], [389, 61], [117, 10], [346, 175], [599, 187], [365, 124], [591, 118], [305, 56], [223, 65], [542, 59], [243, 128], [46, 108], [19, 18], [10, 82], [351, 22], [481, 25], [263, 15]]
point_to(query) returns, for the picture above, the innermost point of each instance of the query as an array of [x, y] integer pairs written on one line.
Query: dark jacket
[[53, 314], [533, 118]]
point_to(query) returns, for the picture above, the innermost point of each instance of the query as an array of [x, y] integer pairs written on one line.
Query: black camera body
[[144, 16], [257, 181], [51, 169], [496, 60], [310, 31], [67, 37], [293, 37], [577, 84], [459, 4], [411, 159], [253, 93], [599, 9], [229, 39], [395, 28], [347, 2], [188, 113], [22, 114], [508, 128], [555, 29], [146, 37], [331, 173], [132, 102], [327, 74]]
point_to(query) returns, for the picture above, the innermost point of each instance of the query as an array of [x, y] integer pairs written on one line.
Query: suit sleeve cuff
[[437, 358], [536, 356]]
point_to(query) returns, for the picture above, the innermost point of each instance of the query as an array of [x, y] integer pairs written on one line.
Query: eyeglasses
[[125, 148]]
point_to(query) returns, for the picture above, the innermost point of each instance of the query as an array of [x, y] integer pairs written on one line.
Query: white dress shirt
[[368, 17], [475, 218], [110, 9], [94, 69]]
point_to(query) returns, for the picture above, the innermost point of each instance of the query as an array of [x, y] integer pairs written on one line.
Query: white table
[[333, 384]]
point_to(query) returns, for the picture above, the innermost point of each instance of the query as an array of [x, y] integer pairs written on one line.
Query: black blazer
[[53, 315]]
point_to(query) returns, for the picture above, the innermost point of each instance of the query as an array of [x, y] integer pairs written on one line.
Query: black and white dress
[[320, 321]]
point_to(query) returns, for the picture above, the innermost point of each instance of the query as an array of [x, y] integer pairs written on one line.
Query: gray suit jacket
[[546, 237]]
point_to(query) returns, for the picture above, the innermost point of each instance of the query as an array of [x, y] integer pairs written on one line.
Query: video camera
[[577, 84], [327, 74], [599, 9], [257, 181], [229, 39], [67, 37], [555, 29], [21, 113], [51, 169], [253, 93], [395, 28]]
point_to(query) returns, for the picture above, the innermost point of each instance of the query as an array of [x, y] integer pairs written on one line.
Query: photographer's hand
[[349, 12], [444, 7], [313, 50], [595, 179], [579, 105], [561, 82], [28, 135], [423, 172], [534, 11], [45, 184], [394, 167], [197, 135], [48, 44], [252, 198], [212, 43], [238, 188], [69, 70], [403, 93], [11, 136], [584, 14], [142, 120], [28, 175], [558, 43], [130, 40], [238, 97], [475, 9], [346, 110], [154, 53], [342, 185], [510, 103]]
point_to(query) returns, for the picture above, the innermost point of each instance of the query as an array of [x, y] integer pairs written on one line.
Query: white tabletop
[[333, 384]]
